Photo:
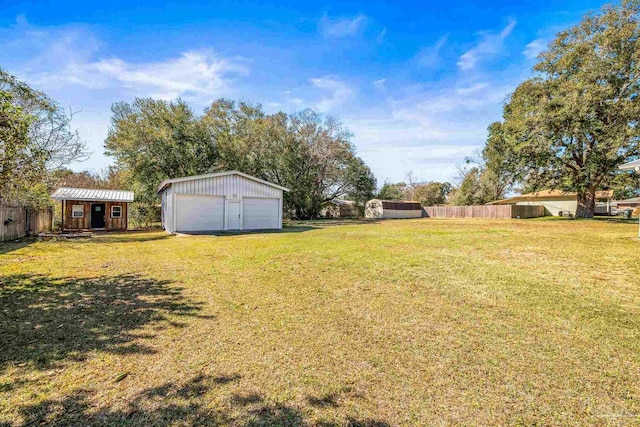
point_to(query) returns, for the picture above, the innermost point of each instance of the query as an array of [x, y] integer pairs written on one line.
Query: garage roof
[[164, 184], [92, 195]]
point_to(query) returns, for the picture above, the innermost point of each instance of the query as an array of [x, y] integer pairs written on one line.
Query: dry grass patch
[[416, 322]]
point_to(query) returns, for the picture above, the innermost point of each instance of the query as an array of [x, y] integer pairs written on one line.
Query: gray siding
[[228, 186]]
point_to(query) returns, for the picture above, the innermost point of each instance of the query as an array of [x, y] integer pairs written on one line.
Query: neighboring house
[[557, 203], [93, 209], [632, 203], [377, 208], [220, 201], [339, 209]]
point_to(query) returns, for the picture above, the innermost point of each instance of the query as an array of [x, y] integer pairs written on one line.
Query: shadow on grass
[[6, 247], [177, 403], [298, 226], [44, 320]]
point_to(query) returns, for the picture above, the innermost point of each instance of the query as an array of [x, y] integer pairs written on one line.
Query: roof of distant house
[[548, 195], [631, 201], [92, 194], [630, 165]]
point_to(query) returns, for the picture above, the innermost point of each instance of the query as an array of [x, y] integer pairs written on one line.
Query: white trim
[[73, 211], [119, 207], [167, 182], [174, 218]]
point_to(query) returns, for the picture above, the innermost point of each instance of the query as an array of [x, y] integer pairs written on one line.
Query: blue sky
[[416, 82]]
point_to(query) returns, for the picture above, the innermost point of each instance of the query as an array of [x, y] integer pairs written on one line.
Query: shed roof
[[548, 195], [164, 184], [92, 194]]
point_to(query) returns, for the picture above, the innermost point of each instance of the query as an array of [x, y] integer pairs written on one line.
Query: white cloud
[[533, 49], [339, 92], [71, 56], [489, 46], [379, 85], [430, 131], [192, 74], [429, 57], [342, 27]]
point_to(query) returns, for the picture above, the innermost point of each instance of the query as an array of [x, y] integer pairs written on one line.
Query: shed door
[[199, 213], [260, 213]]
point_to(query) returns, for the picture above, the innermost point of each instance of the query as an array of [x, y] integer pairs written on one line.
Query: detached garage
[[220, 201]]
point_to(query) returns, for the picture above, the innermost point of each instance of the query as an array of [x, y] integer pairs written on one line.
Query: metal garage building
[[220, 201]]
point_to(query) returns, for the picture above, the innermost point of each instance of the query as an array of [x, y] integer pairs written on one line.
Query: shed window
[[77, 211], [116, 211]]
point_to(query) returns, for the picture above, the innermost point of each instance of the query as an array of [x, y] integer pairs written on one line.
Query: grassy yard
[[415, 322]]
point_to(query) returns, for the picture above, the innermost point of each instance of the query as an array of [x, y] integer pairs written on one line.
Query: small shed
[[220, 201], [376, 208], [339, 209], [93, 209]]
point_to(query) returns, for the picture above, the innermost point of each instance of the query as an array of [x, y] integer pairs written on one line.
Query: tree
[[470, 191], [361, 181], [391, 191], [431, 193], [21, 164], [427, 193], [573, 124], [50, 129], [48, 144], [156, 140], [306, 152]]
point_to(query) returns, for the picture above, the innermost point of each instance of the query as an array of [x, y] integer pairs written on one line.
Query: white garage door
[[260, 213], [199, 213]]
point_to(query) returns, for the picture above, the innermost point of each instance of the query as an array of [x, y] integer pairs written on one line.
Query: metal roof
[[164, 184], [92, 194], [631, 165]]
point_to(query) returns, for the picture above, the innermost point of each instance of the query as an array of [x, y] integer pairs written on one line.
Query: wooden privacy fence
[[18, 221], [485, 211]]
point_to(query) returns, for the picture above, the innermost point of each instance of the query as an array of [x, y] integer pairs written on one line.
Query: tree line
[[568, 127], [307, 153]]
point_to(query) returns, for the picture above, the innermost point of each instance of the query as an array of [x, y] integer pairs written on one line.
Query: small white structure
[[379, 209], [220, 201]]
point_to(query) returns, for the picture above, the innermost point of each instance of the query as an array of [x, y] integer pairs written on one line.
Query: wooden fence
[[485, 211], [18, 221]]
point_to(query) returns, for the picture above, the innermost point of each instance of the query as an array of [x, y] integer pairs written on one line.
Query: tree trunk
[[586, 203]]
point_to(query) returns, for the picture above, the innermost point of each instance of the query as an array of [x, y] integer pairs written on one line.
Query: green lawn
[[415, 322]]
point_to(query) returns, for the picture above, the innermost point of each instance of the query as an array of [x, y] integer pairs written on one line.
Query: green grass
[[415, 322]]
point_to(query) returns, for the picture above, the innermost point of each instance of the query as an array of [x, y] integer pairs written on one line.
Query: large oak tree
[[577, 120]]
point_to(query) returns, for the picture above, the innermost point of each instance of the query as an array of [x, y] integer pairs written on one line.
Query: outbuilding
[[93, 209], [220, 201], [336, 208], [376, 208]]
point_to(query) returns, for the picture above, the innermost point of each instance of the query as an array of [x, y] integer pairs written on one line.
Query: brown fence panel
[[13, 222], [519, 211], [40, 221], [18, 221], [485, 211]]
